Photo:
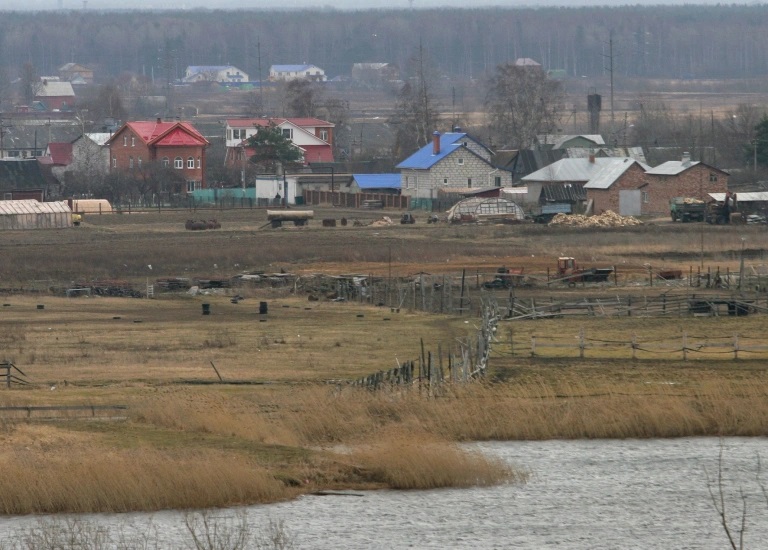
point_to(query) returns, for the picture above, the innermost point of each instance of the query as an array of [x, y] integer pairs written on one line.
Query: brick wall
[[659, 190], [124, 148]]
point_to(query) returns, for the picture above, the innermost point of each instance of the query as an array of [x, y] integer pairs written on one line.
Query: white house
[[313, 136], [223, 74], [294, 72], [89, 156]]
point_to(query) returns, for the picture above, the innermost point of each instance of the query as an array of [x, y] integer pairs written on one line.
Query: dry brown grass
[[189, 441]]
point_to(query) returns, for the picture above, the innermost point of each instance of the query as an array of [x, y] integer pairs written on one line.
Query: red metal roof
[[301, 122], [61, 153], [165, 133]]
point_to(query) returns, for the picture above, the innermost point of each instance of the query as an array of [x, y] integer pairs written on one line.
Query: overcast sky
[[334, 4]]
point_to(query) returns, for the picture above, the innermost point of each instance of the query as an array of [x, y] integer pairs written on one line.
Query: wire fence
[[683, 347]]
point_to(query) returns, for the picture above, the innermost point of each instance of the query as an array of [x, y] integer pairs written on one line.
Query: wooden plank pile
[[606, 219]]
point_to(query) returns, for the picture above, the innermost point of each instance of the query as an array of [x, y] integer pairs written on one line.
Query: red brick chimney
[[591, 157], [436, 143], [159, 120]]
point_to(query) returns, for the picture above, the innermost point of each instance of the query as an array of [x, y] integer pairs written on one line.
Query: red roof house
[[176, 145]]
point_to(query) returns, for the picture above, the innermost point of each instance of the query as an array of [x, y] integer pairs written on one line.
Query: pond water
[[594, 494]]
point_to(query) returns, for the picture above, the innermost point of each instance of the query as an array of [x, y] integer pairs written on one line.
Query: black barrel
[[263, 308], [206, 309]]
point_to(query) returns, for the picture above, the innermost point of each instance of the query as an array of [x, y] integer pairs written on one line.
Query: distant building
[[374, 74], [76, 73], [565, 141], [56, 95], [527, 62], [297, 72], [223, 74]]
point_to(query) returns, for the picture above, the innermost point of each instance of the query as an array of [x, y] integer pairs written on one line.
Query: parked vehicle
[[549, 211], [569, 272], [505, 278], [687, 209]]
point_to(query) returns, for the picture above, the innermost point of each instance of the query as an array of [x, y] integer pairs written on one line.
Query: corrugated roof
[[424, 158], [672, 168], [558, 140], [570, 192], [165, 133], [61, 153], [29, 206], [611, 172], [571, 170], [377, 181], [55, 89], [749, 196]]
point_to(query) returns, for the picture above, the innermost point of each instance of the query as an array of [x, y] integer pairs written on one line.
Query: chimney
[[686, 158], [436, 143], [591, 156], [159, 120]]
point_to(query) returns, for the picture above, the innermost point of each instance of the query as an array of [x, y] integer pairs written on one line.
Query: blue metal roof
[[291, 68], [377, 181], [423, 159]]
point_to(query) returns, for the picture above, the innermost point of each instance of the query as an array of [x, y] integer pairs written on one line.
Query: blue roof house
[[453, 162]]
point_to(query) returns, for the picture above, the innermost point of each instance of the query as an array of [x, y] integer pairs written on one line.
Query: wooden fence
[[8, 370], [355, 200], [429, 372], [94, 410], [685, 347]]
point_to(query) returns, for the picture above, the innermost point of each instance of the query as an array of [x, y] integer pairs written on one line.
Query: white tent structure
[[31, 214], [486, 209]]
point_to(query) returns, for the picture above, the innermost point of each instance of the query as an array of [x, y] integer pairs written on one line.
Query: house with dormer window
[[176, 145], [314, 137]]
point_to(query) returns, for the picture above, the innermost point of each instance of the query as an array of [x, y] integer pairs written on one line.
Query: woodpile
[[606, 219], [384, 221]]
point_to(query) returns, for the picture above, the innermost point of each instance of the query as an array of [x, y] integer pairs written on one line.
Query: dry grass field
[[281, 420]]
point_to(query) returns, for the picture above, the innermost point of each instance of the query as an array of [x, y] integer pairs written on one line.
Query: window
[[130, 163], [712, 177], [133, 141], [460, 161], [288, 133], [407, 182], [497, 181], [139, 162], [114, 162], [125, 141], [445, 181], [238, 134], [191, 162], [469, 182], [165, 162], [646, 198], [324, 135], [191, 186], [178, 163], [198, 162]]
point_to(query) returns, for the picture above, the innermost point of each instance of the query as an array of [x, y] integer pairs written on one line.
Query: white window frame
[[460, 160], [324, 135], [198, 162], [133, 141], [165, 162], [192, 185], [130, 162], [125, 141], [114, 162], [646, 197], [178, 163], [287, 133], [191, 162]]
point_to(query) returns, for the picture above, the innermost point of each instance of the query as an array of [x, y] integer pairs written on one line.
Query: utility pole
[[610, 72], [261, 88]]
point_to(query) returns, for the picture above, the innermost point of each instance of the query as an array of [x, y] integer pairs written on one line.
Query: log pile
[[606, 219]]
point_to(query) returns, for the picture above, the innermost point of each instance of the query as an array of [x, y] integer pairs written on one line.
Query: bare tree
[[522, 102]]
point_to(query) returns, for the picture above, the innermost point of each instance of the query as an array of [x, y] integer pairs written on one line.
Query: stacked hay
[[606, 219]]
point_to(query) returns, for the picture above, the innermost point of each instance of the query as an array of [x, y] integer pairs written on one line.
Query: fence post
[[634, 346], [735, 346], [581, 343], [533, 346], [685, 346]]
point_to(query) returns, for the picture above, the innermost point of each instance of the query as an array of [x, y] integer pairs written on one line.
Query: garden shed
[[493, 209], [31, 214]]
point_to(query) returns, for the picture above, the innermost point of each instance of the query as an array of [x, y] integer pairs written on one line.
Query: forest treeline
[[724, 41]]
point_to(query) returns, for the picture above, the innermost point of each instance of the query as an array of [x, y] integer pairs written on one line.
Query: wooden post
[[685, 346], [581, 343], [629, 306], [461, 296], [735, 346], [634, 346], [615, 276], [533, 346], [650, 275], [511, 343]]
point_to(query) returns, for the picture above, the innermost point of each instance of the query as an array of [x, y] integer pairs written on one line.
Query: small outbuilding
[[31, 214]]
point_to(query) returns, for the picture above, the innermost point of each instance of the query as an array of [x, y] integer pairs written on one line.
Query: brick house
[[175, 145], [648, 192], [453, 162]]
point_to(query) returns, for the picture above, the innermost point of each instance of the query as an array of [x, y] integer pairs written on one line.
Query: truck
[[549, 211], [687, 209], [569, 272]]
